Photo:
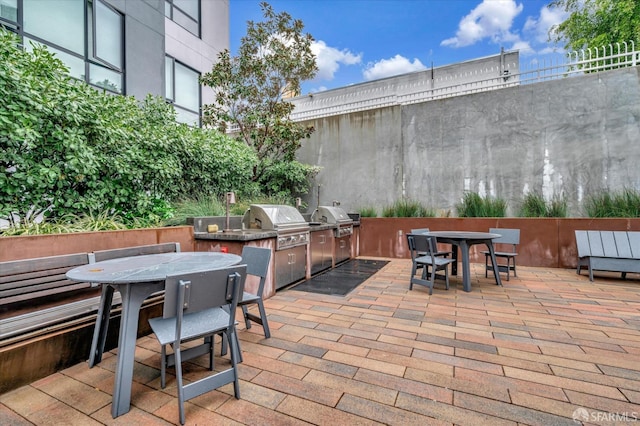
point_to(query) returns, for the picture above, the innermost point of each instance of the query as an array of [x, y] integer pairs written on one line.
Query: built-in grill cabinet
[[342, 231], [292, 240], [321, 250]]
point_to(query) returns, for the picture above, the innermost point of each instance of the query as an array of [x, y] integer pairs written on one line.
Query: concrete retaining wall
[[573, 136]]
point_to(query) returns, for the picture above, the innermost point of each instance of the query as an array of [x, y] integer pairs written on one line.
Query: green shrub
[[534, 205], [407, 208], [558, 207], [68, 148], [473, 205], [624, 203], [368, 212]]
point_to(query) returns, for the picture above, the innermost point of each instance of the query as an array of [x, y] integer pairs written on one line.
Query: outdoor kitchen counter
[[251, 234], [237, 235]]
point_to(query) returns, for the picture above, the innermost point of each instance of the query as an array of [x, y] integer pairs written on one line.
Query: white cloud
[[490, 19], [329, 59], [390, 67], [538, 28]]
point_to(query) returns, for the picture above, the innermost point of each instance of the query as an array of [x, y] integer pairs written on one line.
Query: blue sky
[[363, 40]]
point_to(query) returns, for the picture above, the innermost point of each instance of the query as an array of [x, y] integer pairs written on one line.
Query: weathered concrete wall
[[572, 136]]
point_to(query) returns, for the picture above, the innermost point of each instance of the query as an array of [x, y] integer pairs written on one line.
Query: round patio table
[[464, 240], [136, 278]]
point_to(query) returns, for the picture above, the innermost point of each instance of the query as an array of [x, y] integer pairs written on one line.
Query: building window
[[182, 89], [185, 13], [88, 36], [9, 12]]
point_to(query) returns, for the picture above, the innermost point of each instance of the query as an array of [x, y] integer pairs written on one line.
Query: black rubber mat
[[342, 279]]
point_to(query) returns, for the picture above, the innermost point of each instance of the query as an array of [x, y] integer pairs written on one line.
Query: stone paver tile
[[540, 403], [313, 363], [375, 344], [319, 414], [331, 345], [447, 412], [247, 413], [42, 409], [602, 379], [9, 417], [632, 396], [251, 392], [436, 367], [502, 410], [355, 387], [503, 360], [262, 350], [383, 413], [412, 343], [293, 319], [587, 400], [194, 415], [295, 333], [486, 367], [94, 377], [312, 391], [361, 362], [298, 347], [418, 388], [564, 383], [486, 387], [549, 359], [150, 399], [549, 391], [274, 365], [82, 397], [135, 417]]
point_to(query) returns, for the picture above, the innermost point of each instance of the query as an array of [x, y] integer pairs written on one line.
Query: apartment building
[[130, 47]]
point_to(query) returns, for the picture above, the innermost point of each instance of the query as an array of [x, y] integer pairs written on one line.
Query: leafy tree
[[250, 90], [597, 23], [69, 149]]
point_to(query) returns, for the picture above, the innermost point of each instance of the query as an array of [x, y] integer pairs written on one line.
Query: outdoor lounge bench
[[613, 251], [31, 282]]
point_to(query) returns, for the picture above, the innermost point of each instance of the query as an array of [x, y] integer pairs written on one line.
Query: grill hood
[[273, 217], [332, 215]]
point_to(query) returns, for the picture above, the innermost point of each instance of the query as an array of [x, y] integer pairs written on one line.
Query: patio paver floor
[[546, 347]]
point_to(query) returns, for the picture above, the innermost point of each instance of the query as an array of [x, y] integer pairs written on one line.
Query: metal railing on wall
[[544, 68]]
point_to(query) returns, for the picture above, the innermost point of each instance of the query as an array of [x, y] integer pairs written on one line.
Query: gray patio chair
[[198, 305], [505, 248], [418, 244], [257, 261], [444, 253]]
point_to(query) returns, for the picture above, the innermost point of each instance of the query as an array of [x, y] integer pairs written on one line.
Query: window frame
[[197, 20], [172, 100], [89, 48]]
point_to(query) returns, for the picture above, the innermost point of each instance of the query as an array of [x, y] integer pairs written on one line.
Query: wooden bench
[[33, 282], [613, 251]]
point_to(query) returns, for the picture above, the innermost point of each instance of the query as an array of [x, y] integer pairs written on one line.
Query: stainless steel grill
[[292, 241], [342, 231], [334, 215], [292, 229]]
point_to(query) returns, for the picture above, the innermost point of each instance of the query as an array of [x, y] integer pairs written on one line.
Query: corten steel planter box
[[32, 358], [30, 246], [543, 242]]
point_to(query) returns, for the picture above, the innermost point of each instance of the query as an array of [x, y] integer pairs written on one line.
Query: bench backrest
[[100, 255], [616, 244], [27, 279]]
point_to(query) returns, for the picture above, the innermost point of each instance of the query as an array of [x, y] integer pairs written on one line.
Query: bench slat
[[608, 244], [634, 243], [582, 243], [622, 244], [595, 243]]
